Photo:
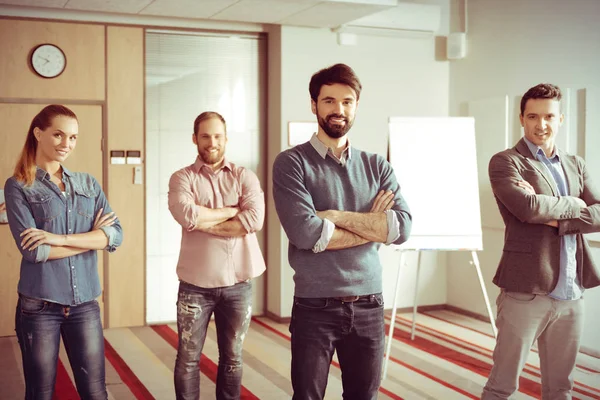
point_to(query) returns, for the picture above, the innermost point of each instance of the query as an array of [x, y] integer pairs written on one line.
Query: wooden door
[[87, 157]]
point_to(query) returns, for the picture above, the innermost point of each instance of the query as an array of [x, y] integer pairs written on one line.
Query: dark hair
[[208, 115], [338, 73], [541, 91], [26, 167]]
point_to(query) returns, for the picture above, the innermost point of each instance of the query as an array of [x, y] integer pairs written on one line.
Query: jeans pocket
[[30, 305], [318, 303], [374, 301], [378, 299], [521, 297]]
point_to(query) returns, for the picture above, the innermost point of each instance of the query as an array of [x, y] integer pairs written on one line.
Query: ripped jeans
[[232, 306]]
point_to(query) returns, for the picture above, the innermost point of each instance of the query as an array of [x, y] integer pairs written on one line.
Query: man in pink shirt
[[220, 206]]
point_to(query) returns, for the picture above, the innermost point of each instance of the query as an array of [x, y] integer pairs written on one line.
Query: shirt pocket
[[231, 199], [85, 202], [44, 206], [231, 196]]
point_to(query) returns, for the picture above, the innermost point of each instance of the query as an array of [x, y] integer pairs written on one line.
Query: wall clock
[[48, 60]]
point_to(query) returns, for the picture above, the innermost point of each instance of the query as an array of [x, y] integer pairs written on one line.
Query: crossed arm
[[235, 220], [354, 228], [37, 245], [521, 196], [304, 224]]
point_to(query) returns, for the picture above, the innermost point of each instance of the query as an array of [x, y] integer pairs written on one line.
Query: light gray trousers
[[522, 319]]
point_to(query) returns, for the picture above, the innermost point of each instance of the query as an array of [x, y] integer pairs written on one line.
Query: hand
[[32, 238], [383, 201], [236, 210], [104, 220], [580, 202], [527, 186], [552, 223], [2, 207]]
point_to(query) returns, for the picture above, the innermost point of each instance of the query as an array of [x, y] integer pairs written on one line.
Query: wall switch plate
[[137, 175]]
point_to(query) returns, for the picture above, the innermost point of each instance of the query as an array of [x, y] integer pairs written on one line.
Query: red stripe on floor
[[64, 389], [127, 376], [207, 366], [389, 394], [433, 378]]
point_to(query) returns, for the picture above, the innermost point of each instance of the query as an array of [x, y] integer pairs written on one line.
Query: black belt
[[352, 299]]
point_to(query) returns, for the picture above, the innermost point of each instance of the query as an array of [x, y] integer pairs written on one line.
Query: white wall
[[513, 45], [400, 77]]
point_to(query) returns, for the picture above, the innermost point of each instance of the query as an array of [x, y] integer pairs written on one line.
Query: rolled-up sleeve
[[113, 237], [326, 234], [181, 200], [393, 226], [114, 232], [20, 217], [252, 202]]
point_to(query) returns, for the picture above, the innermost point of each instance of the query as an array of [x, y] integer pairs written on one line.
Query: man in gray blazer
[[547, 201]]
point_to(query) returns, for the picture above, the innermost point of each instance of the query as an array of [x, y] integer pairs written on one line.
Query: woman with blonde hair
[[58, 219]]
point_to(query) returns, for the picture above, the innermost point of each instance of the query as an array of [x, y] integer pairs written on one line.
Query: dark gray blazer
[[530, 260]]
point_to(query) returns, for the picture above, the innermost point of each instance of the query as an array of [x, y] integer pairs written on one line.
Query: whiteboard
[[435, 162]]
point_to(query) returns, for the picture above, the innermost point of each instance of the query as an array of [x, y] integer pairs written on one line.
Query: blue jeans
[[39, 325], [232, 306], [355, 330]]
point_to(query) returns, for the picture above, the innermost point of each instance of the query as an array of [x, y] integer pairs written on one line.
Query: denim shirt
[[71, 280]]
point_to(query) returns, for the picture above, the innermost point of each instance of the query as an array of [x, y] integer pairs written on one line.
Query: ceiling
[[311, 13]]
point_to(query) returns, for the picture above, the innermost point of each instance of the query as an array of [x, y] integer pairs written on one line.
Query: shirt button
[[69, 230], [72, 267], [69, 210], [74, 286]]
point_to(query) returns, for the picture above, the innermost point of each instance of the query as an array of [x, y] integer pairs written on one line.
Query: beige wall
[[105, 68]]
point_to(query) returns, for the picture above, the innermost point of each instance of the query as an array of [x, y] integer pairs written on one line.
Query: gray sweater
[[304, 183]]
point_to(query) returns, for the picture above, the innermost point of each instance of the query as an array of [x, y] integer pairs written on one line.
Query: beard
[[209, 157], [334, 130]]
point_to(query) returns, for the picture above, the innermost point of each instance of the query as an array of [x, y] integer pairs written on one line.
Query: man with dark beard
[[219, 206], [337, 204]]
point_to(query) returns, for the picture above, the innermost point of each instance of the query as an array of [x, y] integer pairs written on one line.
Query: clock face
[[48, 61]]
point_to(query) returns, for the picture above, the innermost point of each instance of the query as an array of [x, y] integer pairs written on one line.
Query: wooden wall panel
[[86, 157], [125, 298], [83, 44]]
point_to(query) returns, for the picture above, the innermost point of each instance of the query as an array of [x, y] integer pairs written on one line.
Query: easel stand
[[474, 261]]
